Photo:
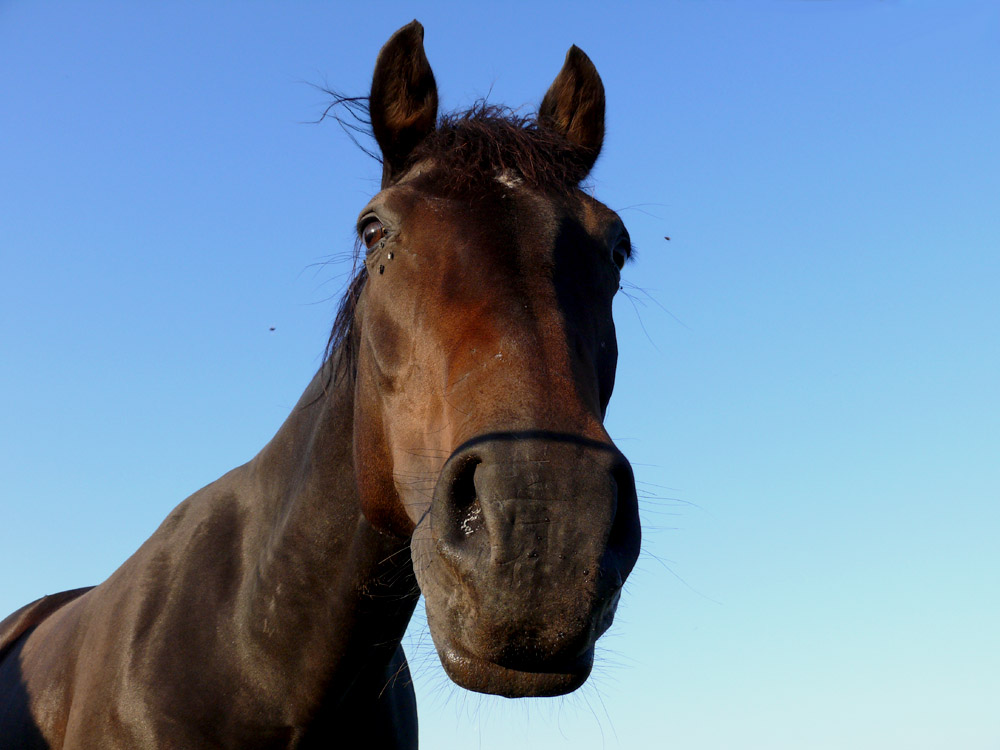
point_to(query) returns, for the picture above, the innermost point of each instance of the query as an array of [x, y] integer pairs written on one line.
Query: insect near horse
[[452, 444]]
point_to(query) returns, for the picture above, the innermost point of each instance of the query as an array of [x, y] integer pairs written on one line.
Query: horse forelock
[[475, 146]]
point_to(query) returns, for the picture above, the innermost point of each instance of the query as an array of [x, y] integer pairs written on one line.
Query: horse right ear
[[404, 101]]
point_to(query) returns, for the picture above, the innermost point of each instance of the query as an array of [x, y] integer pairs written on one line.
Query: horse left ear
[[404, 100], [574, 107]]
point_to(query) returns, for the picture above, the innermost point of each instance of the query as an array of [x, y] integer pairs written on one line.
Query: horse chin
[[540, 680]]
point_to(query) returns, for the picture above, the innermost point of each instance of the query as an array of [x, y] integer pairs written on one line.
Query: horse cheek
[[373, 470]]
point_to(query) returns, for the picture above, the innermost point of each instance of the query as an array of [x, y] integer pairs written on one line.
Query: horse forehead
[[501, 218]]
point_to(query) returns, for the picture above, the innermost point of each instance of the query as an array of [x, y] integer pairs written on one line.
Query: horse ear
[[574, 106], [403, 102]]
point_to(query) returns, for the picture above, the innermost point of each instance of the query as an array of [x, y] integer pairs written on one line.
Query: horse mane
[[341, 336], [475, 147]]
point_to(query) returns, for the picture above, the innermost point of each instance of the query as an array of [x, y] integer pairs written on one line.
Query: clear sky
[[809, 366]]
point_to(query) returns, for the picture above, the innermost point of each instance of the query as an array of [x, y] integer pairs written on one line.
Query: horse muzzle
[[531, 537]]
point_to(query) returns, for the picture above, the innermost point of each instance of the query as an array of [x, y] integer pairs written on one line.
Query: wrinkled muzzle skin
[[485, 361]]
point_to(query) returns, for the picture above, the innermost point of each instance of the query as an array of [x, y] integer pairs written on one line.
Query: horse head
[[484, 355]]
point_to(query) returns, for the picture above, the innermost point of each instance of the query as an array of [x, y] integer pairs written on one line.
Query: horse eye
[[618, 255], [372, 233]]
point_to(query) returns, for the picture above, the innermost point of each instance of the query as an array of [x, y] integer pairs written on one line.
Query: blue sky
[[808, 375]]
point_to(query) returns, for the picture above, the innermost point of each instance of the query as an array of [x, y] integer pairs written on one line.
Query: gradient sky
[[809, 366]]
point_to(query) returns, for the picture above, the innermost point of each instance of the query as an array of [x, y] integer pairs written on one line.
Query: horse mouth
[[539, 658], [539, 679]]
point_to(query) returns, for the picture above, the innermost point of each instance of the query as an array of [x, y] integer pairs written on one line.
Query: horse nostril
[[625, 522], [465, 513]]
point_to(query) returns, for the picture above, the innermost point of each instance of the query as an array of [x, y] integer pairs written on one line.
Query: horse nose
[[553, 505]]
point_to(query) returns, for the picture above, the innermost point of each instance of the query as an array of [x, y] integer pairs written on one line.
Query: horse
[[451, 445]]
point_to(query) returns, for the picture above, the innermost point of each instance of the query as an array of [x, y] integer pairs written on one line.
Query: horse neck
[[326, 586]]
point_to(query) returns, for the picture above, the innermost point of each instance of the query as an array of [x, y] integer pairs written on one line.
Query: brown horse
[[453, 439]]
